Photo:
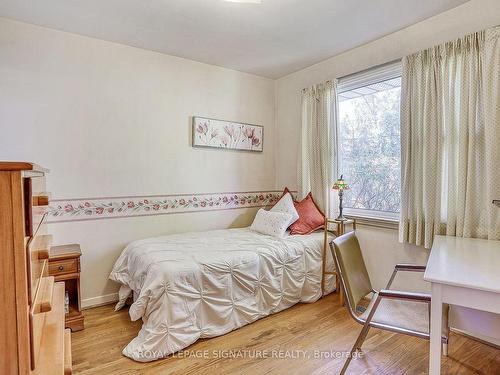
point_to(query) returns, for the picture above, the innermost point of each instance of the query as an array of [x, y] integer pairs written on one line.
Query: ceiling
[[271, 39]]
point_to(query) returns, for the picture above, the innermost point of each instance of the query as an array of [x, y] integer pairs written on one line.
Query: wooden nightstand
[[339, 230], [64, 265]]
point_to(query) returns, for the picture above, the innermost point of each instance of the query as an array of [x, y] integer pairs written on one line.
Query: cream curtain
[[450, 140], [319, 133]]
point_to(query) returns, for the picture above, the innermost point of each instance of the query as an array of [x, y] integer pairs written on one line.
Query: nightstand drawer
[[64, 266]]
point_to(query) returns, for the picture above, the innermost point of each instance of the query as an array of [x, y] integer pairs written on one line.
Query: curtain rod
[[305, 88]]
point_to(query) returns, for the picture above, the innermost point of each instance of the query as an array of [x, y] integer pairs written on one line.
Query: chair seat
[[409, 315]]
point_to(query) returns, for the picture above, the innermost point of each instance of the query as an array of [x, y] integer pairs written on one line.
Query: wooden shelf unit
[[32, 309]]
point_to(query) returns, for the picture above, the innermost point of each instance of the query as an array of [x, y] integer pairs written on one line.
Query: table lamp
[[340, 185]]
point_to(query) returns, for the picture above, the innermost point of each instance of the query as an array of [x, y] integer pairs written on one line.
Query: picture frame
[[227, 135]]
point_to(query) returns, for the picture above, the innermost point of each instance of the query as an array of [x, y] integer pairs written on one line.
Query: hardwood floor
[[323, 326]]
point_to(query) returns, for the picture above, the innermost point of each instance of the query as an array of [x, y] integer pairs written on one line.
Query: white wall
[[112, 120], [381, 247]]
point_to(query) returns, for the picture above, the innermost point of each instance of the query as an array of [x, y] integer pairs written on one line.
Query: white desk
[[463, 272]]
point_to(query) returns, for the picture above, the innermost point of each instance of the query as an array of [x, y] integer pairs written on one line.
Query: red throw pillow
[[310, 217]]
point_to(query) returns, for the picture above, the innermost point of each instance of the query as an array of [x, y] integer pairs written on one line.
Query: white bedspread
[[205, 284]]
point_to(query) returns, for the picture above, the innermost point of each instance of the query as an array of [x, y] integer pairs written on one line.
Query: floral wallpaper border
[[63, 210]]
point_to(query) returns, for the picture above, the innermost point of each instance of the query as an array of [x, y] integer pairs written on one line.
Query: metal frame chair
[[347, 246]]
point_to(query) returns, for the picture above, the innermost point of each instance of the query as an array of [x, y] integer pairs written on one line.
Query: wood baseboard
[[470, 336]]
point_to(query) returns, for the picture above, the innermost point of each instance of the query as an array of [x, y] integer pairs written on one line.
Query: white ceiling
[[271, 39]]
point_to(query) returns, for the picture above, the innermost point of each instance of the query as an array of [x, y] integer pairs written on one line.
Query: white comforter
[[205, 284]]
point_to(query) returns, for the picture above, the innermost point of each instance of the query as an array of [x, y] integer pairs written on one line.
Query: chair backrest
[[351, 268]]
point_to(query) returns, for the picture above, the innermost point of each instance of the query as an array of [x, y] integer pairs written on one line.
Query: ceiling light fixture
[[244, 1]]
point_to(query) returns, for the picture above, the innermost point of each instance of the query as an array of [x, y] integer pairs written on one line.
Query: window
[[369, 141]]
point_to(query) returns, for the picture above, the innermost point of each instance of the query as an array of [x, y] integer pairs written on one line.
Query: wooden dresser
[[33, 339]]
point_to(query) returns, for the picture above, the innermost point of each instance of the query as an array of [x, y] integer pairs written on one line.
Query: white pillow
[[285, 204], [271, 223]]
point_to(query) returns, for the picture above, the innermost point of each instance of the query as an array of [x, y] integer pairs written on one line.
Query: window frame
[[381, 73]]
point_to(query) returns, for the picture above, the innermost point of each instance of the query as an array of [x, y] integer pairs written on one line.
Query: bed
[[205, 284]]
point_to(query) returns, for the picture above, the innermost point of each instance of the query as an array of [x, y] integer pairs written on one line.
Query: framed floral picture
[[229, 135]]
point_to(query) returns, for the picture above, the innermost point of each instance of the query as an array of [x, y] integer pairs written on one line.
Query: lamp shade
[[340, 184]]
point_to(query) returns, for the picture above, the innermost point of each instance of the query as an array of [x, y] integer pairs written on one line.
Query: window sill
[[376, 222]]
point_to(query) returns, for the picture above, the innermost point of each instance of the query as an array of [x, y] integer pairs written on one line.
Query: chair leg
[[445, 348], [355, 347], [445, 342], [447, 335], [362, 338]]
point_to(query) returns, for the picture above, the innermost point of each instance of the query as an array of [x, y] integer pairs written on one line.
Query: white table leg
[[436, 323]]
